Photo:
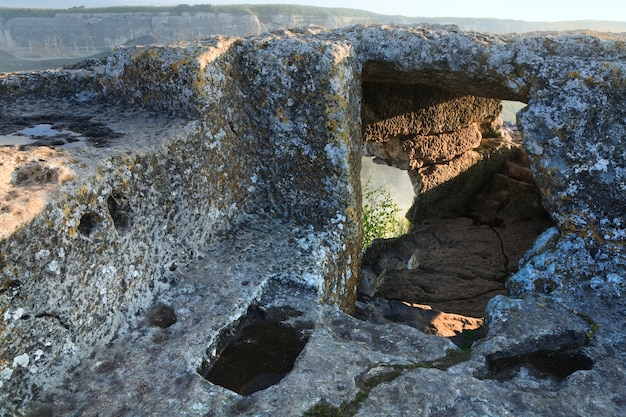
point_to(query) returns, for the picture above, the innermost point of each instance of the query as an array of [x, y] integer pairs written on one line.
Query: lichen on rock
[[230, 166]]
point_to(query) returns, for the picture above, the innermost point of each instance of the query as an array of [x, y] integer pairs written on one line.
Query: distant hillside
[[521, 26], [47, 38]]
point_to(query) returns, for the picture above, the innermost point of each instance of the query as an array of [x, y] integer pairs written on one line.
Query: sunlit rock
[[220, 170]]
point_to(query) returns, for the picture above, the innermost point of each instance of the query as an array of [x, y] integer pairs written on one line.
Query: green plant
[[381, 215], [593, 326], [324, 409]]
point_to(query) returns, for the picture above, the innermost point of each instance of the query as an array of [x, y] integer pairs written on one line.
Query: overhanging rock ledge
[[214, 175]]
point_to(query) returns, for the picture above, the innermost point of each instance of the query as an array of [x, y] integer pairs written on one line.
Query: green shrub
[[381, 215]]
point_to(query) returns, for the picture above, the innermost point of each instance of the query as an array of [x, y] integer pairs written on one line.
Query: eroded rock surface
[[232, 173]]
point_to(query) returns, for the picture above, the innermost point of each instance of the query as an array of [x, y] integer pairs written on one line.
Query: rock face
[[85, 34], [454, 265], [81, 33], [212, 176]]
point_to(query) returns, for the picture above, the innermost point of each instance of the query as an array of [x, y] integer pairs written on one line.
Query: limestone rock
[[454, 265], [232, 165], [427, 150], [413, 152], [392, 152], [439, 290], [450, 394], [565, 366], [445, 188], [545, 325], [430, 131], [399, 110], [163, 364]]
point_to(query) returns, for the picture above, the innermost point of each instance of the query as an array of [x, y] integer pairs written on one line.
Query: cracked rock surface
[[155, 370]]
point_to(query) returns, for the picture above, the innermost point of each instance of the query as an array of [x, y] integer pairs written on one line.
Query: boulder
[[444, 189], [413, 152]]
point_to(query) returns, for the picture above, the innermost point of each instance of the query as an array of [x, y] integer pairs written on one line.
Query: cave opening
[[453, 165]]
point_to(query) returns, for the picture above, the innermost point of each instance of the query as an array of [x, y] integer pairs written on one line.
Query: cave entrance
[[475, 209]]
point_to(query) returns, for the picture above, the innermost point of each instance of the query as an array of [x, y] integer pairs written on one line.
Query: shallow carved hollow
[[256, 353]]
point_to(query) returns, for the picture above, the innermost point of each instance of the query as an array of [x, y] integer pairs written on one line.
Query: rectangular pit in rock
[[257, 352]]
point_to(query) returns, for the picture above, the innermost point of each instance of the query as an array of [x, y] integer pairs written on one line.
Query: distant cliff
[[80, 33], [83, 34], [37, 39]]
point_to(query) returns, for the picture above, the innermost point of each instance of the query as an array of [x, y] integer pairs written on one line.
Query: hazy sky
[[531, 10]]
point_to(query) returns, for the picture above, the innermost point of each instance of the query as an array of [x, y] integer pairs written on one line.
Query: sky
[[529, 10]]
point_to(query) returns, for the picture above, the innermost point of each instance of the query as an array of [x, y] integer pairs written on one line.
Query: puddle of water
[[40, 130], [15, 140], [44, 134]]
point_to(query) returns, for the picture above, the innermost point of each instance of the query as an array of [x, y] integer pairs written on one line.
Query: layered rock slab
[[399, 110], [437, 135]]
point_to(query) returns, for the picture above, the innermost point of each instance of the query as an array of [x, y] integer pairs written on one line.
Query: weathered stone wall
[[524, 68], [213, 145], [208, 154], [107, 238]]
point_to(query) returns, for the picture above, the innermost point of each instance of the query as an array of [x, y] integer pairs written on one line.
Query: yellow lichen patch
[[560, 135], [281, 115], [177, 66], [591, 82], [593, 233], [352, 214], [572, 75]]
